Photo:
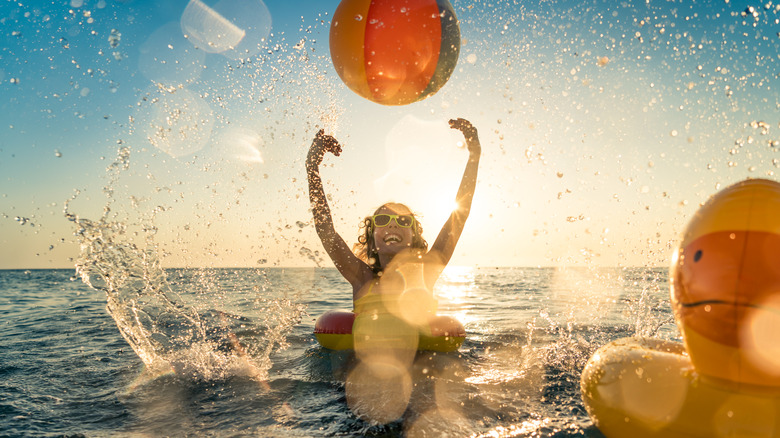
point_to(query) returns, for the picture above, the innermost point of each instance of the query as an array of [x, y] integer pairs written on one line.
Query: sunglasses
[[383, 220]]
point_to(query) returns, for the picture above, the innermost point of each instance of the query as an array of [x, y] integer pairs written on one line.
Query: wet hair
[[365, 248]]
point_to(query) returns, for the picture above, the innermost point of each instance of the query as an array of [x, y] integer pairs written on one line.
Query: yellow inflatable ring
[[333, 330], [648, 388]]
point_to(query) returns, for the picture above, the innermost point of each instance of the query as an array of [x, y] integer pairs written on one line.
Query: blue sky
[[604, 125]]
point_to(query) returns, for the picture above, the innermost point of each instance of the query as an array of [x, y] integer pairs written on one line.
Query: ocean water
[[132, 349]]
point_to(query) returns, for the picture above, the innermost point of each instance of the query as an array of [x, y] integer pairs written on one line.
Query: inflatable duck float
[[724, 380]]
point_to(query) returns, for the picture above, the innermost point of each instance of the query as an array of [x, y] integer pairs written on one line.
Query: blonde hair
[[365, 248]]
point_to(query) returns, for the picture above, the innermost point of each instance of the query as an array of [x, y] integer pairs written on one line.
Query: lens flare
[[208, 30], [235, 29], [179, 123], [759, 337], [167, 58], [378, 389]]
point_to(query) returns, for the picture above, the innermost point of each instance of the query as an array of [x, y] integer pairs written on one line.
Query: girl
[[393, 235], [392, 275]]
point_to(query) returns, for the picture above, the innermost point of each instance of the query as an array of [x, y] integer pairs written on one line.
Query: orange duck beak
[[726, 284]]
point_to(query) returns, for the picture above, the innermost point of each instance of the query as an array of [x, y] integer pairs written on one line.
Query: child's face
[[392, 238]]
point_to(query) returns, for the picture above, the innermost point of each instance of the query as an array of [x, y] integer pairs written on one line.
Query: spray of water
[[167, 332]]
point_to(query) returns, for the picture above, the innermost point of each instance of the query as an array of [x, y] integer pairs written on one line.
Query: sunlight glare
[[411, 146], [455, 284], [526, 428]]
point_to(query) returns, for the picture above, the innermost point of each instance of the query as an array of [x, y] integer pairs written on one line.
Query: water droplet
[[358, 17], [113, 38]]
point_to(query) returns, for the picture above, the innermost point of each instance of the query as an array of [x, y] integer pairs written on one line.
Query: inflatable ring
[[648, 388], [333, 330]]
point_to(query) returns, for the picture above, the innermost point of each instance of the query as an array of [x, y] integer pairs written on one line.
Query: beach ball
[[394, 52], [725, 284]]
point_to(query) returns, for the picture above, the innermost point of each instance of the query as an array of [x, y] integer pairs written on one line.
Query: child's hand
[[469, 133], [322, 144]]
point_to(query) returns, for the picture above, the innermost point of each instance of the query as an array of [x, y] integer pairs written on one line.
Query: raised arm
[[444, 246], [351, 268]]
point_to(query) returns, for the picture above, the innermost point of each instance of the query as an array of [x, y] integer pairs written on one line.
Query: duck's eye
[[697, 256]]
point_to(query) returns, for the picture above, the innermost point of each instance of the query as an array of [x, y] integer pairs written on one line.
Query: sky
[[604, 125]]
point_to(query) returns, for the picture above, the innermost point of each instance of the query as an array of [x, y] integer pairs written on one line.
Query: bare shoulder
[[363, 277], [361, 287]]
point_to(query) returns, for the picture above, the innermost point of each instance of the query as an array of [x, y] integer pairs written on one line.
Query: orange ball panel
[[346, 44], [402, 44]]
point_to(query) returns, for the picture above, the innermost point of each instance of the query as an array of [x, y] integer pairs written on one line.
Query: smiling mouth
[[392, 238]]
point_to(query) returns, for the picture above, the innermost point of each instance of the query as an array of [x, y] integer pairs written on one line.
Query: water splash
[[648, 312], [168, 332]]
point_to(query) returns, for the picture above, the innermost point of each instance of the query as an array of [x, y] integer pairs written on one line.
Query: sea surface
[[131, 349]]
